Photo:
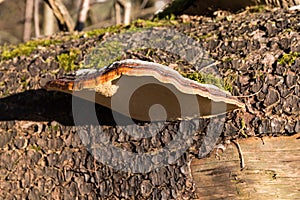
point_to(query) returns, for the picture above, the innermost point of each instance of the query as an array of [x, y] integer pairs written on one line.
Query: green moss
[[227, 59], [110, 29], [225, 83], [289, 30], [228, 82], [205, 36], [204, 78], [135, 25], [243, 128], [257, 9], [35, 148], [288, 58], [139, 23], [55, 128], [114, 50], [169, 16], [25, 49], [67, 60], [24, 82], [110, 51], [5, 93], [259, 75], [11, 51]]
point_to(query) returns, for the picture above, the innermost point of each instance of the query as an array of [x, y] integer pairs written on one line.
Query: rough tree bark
[[208, 7]]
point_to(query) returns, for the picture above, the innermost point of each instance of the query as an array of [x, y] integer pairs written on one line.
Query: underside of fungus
[[147, 91]]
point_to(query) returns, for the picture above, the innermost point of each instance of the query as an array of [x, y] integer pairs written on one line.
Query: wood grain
[[272, 170]]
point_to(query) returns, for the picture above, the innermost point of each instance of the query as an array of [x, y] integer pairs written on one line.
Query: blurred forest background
[[21, 20]]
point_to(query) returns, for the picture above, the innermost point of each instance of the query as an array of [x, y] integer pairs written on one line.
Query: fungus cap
[[132, 87]]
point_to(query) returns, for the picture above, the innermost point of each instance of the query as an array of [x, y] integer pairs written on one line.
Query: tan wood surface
[[272, 170]]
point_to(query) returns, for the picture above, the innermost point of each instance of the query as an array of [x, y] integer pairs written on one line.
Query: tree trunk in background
[[118, 13], [36, 18], [126, 5], [48, 20], [82, 15], [65, 22], [127, 12], [28, 20]]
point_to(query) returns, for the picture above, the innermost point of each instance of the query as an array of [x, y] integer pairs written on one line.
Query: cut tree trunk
[[272, 170]]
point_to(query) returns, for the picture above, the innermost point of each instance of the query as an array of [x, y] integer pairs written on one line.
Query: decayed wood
[[272, 170]]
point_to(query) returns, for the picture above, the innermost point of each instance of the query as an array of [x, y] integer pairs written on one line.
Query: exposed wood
[[272, 170]]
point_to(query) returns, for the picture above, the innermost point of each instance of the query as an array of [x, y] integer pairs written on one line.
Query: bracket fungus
[[146, 91]]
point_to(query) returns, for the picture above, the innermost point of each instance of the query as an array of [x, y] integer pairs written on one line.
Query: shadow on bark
[[41, 105]]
